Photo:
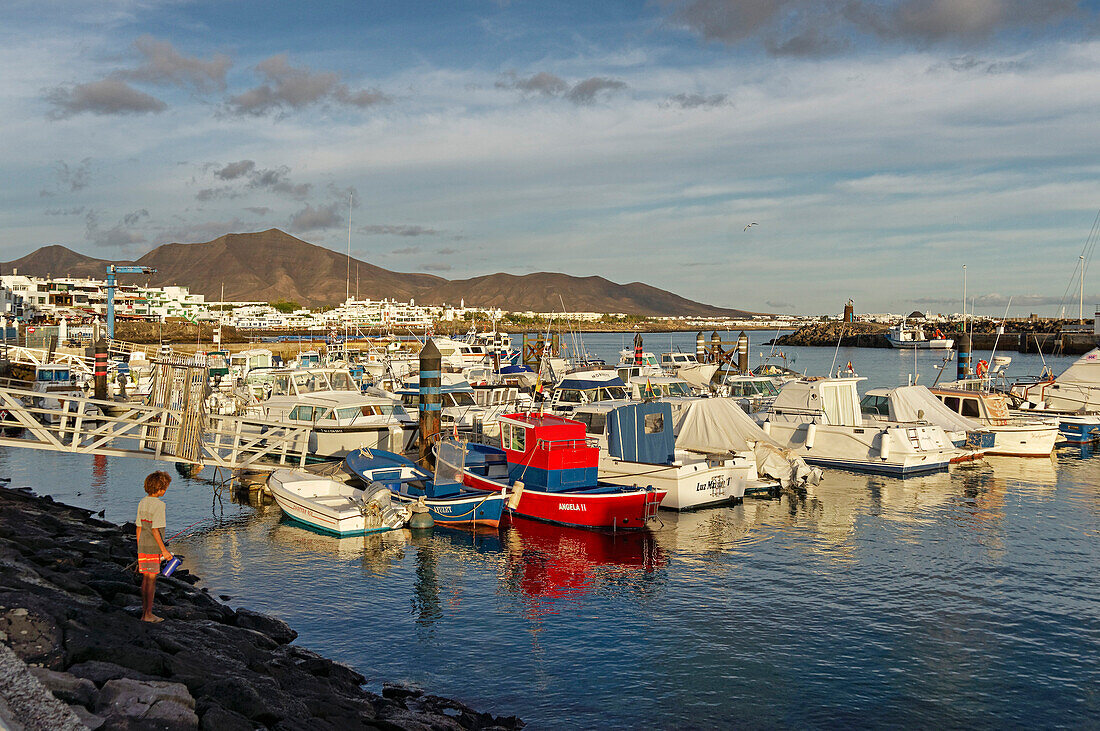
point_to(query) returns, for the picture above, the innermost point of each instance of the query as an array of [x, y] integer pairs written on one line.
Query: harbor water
[[965, 598]]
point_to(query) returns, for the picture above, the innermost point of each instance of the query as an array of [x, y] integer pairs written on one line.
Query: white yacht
[[821, 419], [972, 419], [584, 387]]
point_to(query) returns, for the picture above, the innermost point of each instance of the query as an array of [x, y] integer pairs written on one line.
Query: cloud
[[64, 211], [397, 230], [547, 84], [209, 194], [235, 170], [436, 267], [696, 101], [73, 179], [447, 252], [163, 64], [543, 83], [203, 230], [778, 305], [258, 210], [106, 97], [118, 235], [288, 87], [820, 27], [407, 251], [275, 179], [314, 219], [1001, 300]]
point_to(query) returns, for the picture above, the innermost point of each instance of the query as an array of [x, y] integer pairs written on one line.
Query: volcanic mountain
[[273, 265]]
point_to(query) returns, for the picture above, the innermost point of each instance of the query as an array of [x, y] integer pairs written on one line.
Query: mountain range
[[273, 265]]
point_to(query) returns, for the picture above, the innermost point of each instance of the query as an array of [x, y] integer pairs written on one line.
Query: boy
[[150, 538]]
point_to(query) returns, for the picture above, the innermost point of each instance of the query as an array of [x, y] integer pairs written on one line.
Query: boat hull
[[603, 507], [475, 509], [934, 344], [318, 517], [687, 487]]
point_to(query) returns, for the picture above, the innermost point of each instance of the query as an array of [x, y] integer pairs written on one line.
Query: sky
[[769, 155]]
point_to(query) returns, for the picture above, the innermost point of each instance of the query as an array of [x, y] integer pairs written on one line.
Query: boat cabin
[[672, 362], [988, 408], [547, 452], [835, 400], [587, 387], [644, 387], [303, 381]]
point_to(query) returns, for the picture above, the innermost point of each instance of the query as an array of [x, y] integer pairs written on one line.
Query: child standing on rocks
[[150, 539]]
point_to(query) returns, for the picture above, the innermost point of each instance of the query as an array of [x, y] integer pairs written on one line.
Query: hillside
[[272, 265]]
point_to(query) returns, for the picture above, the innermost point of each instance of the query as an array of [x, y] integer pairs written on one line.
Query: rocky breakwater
[[850, 335], [69, 607]]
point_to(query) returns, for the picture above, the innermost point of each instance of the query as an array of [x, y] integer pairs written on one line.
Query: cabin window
[[613, 393], [515, 438], [341, 382], [318, 414], [970, 407], [952, 402], [878, 405], [411, 400], [678, 389], [348, 413], [654, 423], [594, 423], [302, 413], [462, 399], [569, 396], [281, 386]]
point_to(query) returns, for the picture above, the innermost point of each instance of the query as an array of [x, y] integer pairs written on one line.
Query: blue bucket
[[171, 566]]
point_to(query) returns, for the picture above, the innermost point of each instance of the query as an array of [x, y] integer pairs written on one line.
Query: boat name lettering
[[572, 506]]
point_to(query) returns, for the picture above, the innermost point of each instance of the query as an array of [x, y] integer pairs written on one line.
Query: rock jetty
[[69, 607], [850, 334]]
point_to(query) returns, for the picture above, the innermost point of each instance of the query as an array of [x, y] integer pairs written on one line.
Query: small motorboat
[[329, 498], [448, 500]]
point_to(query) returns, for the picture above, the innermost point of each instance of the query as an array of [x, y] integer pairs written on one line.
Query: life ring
[[982, 368]]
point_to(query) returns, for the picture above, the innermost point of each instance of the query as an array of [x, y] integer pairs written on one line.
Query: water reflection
[[550, 562]]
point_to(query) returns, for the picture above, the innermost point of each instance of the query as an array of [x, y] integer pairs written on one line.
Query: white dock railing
[[81, 425]]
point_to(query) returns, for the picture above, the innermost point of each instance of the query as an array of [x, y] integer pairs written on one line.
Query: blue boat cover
[[642, 433], [583, 384], [512, 369]]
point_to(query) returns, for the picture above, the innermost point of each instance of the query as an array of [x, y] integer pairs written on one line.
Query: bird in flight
[[750, 225]]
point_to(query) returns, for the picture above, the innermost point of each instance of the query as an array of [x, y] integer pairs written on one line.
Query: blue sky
[[879, 145]]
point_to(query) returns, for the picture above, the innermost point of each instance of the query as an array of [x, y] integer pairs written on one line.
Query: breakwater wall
[[69, 607], [871, 335]]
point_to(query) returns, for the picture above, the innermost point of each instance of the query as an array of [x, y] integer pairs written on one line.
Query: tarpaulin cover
[[642, 433], [907, 403], [1085, 370], [719, 426]]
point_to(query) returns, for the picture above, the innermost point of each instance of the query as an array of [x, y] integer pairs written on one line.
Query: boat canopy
[[642, 433], [836, 398], [719, 426], [917, 403], [1085, 370], [583, 384]]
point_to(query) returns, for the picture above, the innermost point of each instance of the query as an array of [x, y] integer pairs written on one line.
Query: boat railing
[[556, 444]]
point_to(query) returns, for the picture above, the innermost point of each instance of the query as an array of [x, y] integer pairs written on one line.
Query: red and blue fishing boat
[[549, 470], [448, 500]]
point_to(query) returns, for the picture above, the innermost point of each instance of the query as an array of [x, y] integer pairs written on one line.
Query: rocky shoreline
[[69, 607]]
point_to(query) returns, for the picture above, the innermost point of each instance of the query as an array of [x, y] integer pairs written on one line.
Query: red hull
[[615, 510]]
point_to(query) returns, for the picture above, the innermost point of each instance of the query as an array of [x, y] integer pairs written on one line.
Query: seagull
[[751, 225]]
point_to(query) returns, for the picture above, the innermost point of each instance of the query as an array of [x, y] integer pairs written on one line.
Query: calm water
[[964, 598]]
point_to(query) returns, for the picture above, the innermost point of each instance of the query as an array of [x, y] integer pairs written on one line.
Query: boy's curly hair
[[156, 482]]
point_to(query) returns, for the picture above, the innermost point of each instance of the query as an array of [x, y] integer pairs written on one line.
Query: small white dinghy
[[328, 498]]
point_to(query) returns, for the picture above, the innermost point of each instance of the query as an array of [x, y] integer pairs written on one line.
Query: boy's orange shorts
[[149, 563]]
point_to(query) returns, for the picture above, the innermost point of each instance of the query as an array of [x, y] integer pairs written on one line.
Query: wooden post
[[431, 364]]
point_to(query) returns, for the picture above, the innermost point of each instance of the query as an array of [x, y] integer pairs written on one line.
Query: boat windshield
[[340, 381], [459, 398]]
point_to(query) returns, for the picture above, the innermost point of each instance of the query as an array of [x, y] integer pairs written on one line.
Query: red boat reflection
[[555, 561]]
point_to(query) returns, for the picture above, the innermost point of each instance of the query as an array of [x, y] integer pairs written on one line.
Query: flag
[[850, 366], [648, 388]]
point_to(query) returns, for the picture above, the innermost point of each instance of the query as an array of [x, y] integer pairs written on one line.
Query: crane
[[112, 270]]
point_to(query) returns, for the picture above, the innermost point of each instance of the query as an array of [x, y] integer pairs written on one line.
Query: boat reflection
[[548, 562]]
